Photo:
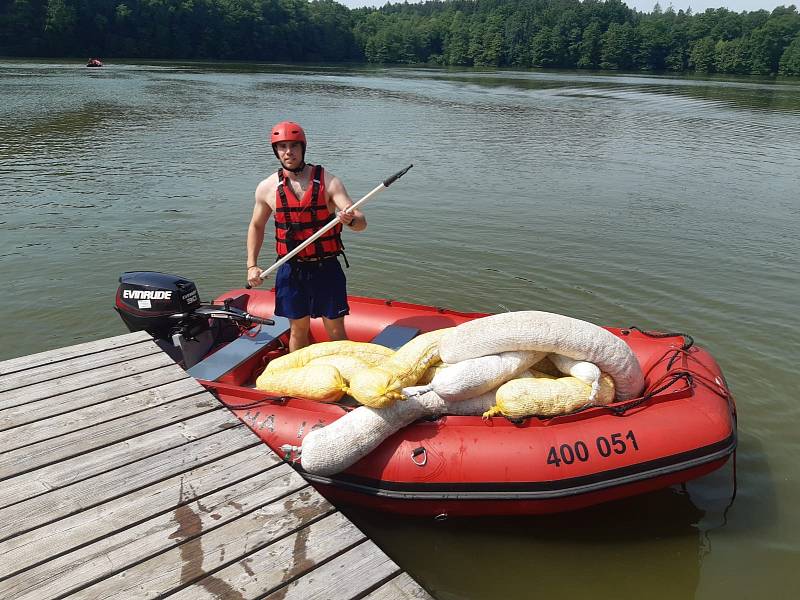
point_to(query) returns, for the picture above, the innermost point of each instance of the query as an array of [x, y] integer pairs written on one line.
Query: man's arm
[[341, 199], [255, 231]]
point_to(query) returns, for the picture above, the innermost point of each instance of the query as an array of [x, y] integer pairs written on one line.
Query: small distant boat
[[94, 62]]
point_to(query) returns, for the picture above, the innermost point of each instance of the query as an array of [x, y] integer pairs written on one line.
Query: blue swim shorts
[[315, 289]]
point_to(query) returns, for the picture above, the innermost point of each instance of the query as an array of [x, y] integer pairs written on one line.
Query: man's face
[[290, 154]]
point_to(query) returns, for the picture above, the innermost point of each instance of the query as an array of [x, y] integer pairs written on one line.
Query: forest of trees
[[591, 34]]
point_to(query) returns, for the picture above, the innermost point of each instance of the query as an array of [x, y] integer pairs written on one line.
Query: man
[[303, 199]]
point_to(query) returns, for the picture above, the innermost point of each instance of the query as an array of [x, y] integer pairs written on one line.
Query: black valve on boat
[[168, 307]]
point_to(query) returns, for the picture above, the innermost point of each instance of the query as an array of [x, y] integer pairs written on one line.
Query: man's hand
[[254, 276], [346, 217]]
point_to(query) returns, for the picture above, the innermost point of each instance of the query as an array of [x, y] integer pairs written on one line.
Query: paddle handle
[[380, 187]]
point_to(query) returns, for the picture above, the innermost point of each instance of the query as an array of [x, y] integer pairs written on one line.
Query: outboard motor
[[168, 307], [155, 302]]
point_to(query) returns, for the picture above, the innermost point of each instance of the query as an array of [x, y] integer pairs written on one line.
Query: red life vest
[[297, 220]]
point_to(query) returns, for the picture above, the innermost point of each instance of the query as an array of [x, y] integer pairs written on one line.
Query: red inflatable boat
[[683, 426]]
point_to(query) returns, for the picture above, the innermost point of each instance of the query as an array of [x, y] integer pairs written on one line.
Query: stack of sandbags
[[486, 372], [382, 385]]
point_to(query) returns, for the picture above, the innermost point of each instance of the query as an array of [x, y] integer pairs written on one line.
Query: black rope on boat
[[254, 403], [733, 495], [621, 409], [688, 341]]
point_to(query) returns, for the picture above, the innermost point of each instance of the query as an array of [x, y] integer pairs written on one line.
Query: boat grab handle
[[419, 451]]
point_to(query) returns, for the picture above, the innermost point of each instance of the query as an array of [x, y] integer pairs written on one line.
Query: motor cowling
[[158, 303]]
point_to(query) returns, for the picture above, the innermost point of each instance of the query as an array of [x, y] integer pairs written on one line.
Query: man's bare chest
[[298, 188]]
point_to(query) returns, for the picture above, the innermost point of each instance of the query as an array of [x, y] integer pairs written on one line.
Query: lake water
[[667, 203]]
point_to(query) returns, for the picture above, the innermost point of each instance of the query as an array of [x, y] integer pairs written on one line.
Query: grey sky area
[[647, 5]]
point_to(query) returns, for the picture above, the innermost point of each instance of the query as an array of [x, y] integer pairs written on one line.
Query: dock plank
[[122, 564], [84, 466], [24, 551], [277, 564], [51, 388], [105, 433], [75, 367], [401, 587], [30, 361], [196, 556], [346, 576], [89, 416], [43, 509], [151, 373]]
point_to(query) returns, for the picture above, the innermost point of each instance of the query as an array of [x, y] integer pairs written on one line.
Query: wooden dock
[[122, 477]]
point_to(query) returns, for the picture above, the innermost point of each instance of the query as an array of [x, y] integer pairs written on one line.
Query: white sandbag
[[344, 442], [580, 369], [471, 407], [475, 376], [548, 332]]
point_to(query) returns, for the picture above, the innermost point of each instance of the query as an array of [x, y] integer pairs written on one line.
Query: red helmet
[[287, 131]]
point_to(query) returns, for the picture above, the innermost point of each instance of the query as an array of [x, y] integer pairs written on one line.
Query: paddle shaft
[[380, 187]]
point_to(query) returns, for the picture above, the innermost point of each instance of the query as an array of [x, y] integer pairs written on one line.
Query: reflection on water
[[664, 202], [658, 541], [605, 549]]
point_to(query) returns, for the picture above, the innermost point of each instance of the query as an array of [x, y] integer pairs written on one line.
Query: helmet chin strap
[[297, 170]]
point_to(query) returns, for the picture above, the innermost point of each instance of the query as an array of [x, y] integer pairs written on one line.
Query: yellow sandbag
[[428, 375], [347, 365], [547, 396], [372, 354], [380, 386], [322, 383]]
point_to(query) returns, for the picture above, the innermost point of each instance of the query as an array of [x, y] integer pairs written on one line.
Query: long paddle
[[382, 186]]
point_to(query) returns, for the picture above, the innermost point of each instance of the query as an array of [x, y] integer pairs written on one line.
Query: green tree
[[769, 41], [590, 47], [59, 23], [456, 41], [701, 56], [790, 60], [547, 48], [619, 47], [732, 56], [654, 44], [678, 55], [491, 43]]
